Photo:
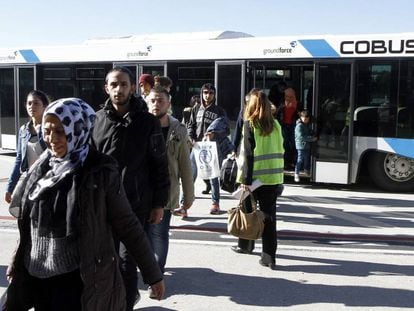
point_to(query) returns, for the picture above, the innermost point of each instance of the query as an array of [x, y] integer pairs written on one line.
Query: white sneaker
[[297, 179]]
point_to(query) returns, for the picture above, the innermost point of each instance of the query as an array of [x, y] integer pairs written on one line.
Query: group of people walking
[[97, 190]]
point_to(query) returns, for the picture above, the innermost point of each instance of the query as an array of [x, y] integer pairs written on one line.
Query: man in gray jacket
[[179, 166]]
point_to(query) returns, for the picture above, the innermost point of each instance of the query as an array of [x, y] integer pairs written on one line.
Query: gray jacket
[[179, 164]]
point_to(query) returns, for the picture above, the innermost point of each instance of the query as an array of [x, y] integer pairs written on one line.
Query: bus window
[[7, 111], [188, 79], [376, 99], [405, 109]]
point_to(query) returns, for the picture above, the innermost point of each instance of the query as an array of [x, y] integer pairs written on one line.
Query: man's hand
[[7, 197], [10, 273], [156, 215], [157, 290]]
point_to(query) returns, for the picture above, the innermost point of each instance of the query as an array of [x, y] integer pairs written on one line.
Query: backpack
[[228, 174]]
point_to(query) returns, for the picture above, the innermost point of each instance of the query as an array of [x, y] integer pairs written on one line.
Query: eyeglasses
[[208, 92]]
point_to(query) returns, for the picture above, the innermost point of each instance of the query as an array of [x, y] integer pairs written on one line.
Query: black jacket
[[137, 143]]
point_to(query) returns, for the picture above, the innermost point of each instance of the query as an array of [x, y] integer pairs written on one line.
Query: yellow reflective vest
[[268, 154]]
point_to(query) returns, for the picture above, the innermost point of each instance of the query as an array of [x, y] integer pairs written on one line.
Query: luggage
[[228, 174]]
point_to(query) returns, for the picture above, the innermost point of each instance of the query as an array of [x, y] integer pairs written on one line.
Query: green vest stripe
[[268, 171], [268, 156]]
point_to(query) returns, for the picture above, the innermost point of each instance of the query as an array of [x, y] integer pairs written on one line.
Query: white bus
[[360, 88]]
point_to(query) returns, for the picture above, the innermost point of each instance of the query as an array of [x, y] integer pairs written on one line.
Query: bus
[[359, 88]]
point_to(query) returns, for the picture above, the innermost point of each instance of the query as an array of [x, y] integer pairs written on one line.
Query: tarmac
[[203, 274], [304, 211]]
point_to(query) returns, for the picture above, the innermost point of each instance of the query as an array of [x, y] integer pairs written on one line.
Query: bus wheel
[[392, 172]]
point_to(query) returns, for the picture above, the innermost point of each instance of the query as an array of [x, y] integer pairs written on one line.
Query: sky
[[28, 23]]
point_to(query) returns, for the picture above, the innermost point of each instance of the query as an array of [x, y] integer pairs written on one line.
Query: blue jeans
[[158, 236], [215, 182], [303, 161]]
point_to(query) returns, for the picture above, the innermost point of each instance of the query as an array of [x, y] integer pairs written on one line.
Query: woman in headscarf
[[68, 208]]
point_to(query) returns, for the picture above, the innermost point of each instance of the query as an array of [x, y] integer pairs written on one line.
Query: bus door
[[333, 98], [137, 69], [15, 84], [230, 85]]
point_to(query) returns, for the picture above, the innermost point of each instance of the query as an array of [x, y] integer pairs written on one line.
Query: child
[[303, 138]]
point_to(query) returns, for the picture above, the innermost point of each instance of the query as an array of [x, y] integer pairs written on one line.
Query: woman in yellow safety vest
[[261, 155]]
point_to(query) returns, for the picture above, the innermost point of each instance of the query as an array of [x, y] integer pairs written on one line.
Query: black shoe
[[267, 261], [207, 191], [271, 265], [239, 250]]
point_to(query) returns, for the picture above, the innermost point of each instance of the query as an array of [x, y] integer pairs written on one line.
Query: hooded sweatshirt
[[202, 116]]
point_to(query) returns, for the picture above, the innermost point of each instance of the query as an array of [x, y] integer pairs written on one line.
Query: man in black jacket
[[125, 130]]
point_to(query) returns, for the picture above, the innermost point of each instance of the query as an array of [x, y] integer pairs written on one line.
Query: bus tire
[[392, 172]]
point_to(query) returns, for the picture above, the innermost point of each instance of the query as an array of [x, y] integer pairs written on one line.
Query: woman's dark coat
[[104, 211]]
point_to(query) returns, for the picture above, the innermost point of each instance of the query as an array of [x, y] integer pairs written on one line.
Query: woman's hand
[[246, 187]]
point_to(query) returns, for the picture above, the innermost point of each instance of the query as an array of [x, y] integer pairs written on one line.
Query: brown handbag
[[248, 226]]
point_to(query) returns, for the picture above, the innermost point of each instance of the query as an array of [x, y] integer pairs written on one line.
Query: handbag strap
[[252, 200]]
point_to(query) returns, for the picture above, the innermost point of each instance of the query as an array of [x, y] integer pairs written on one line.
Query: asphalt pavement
[[204, 274]]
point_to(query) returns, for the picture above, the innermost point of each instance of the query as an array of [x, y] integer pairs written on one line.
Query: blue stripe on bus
[[29, 56], [404, 147], [319, 48]]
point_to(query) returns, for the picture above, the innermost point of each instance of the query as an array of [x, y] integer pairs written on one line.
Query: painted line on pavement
[[7, 218], [258, 247], [318, 235]]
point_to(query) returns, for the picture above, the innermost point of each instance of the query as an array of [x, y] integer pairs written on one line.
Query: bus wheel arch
[[391, 172]]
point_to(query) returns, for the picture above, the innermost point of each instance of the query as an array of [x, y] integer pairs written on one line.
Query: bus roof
[[216, 46], [171, 37]]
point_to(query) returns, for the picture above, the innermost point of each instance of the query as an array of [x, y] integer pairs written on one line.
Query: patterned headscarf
[[77, 118]]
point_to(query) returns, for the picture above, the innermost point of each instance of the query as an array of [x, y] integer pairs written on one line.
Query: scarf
[[53, 182]]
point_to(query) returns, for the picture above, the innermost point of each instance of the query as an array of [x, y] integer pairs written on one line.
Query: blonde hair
[[258, 112]]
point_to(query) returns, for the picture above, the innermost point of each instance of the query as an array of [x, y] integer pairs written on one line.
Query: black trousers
[[128, 267], [266, 197], [57, 293]]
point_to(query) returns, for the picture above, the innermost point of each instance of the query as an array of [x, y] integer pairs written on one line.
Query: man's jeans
[[215, 183], [158, 236]]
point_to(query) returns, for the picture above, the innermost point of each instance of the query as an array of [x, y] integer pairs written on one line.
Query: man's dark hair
[[123, 70], [208, 86]]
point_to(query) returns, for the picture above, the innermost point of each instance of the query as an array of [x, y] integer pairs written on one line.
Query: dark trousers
[[58, 293], [129, 273], [128, 268], [288, 131], [266, 196]]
